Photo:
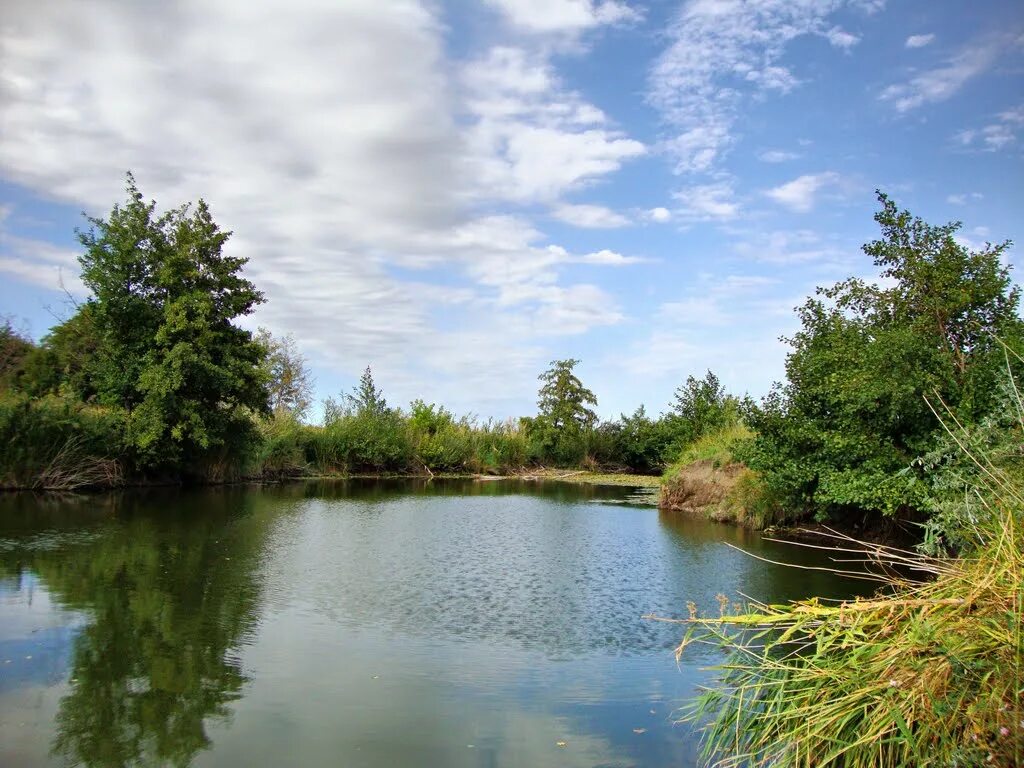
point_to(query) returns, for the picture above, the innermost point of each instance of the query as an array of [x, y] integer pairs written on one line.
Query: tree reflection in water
[[170, 601]]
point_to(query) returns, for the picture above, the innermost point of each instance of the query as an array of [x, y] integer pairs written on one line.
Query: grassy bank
[[709, 481]]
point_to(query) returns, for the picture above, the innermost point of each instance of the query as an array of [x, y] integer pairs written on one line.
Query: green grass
[[716, 447]]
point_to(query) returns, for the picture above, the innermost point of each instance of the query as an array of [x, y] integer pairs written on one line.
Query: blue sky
[[458, 193]]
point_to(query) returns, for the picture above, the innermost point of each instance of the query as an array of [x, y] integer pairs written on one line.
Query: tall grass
[[929, 672], [717, 447], [55, 444]]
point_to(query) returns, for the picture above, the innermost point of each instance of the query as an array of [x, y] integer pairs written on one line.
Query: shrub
[[52, 443]]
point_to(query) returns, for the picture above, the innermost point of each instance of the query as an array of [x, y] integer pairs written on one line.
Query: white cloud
[[996, 135], [38, 262], [531, 139], [963, 198], [841, 39], [919, 41], [800, 247], [721, 51], [800, 194], [608, 258], [777, 156], [940, 83], [704, 202], [659, 215], [590, 216], [336, 143], [546, 16]]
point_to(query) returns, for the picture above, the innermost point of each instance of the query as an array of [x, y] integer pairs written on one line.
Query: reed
[[928, 672]]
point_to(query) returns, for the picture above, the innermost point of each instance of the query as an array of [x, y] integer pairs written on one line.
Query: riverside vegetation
[[900, 402], [927, 672], [150, 380]]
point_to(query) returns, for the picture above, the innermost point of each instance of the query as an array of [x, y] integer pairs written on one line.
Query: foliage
[[562, 399], [925, 673], [59, 444], [164, 296], [366, 399], [718, 447], [701, 406], [500, 447], [645, 442], [289, 382], [15, 346], [66, 360], [852, 417], [955, 483], [281, 448], [558, 432]]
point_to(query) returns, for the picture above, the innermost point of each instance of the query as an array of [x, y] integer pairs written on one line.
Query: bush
[[52, 443], [500, 447], [281, 449], [367, 442]]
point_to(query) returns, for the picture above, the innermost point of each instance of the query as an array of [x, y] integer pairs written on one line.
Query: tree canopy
[[871, 361], [289, 383], [164, 296]]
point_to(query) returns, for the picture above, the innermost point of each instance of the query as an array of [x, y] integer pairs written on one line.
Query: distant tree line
[[151, 378]]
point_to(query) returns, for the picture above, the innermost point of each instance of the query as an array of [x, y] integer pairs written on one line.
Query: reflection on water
[[371, 623]]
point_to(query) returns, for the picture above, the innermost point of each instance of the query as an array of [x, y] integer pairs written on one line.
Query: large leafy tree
[[871, 360], [164, 296]]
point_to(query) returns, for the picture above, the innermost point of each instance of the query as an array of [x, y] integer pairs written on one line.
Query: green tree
[[563, 400], [15, 347], [702, 406], [289, 383], [840, 436], [163, 298], [559, 431], [65, 362], [366, 399]]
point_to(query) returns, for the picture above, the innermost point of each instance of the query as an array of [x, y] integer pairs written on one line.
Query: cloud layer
[[340, 146]]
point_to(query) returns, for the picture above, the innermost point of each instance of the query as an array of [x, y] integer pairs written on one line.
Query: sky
[[457, 193]]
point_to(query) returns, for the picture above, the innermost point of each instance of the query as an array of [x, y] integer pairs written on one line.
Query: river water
[[362, 623]]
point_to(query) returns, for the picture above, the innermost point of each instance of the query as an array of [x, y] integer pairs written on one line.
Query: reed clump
[[928, 672]]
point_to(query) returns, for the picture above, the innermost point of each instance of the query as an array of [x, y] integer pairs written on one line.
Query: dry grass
[[72, 468]]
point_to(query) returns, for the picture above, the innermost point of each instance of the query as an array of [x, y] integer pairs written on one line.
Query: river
[[362, 623]]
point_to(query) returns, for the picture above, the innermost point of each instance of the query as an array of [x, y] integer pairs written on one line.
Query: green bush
[[54, 443], [281, 448], [367, 442], [500, 447]]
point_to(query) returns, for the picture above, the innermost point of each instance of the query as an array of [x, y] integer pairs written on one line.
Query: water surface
[[374, 624]]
